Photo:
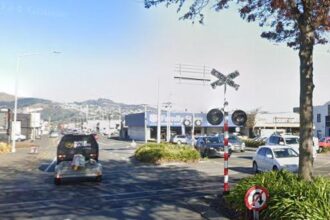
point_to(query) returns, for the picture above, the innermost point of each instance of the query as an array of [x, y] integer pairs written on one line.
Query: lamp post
[[14, 125]]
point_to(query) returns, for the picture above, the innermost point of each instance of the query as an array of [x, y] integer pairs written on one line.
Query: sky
[[119, 50]]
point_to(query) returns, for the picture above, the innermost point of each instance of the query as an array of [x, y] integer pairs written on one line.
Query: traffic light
[[239, 117], [214, 116]]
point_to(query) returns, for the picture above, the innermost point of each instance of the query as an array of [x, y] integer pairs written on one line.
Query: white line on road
[[50, 165]]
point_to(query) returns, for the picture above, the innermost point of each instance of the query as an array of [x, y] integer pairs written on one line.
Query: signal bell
[[214, 116], [239, 117], [186, 122]]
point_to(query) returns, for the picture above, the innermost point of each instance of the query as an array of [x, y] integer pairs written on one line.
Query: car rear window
[[292, 140]]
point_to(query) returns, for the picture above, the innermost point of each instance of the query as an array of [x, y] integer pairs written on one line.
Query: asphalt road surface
[[129, 190]]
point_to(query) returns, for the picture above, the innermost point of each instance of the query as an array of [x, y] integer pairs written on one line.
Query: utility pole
[[158, 117], [145, 124], [168, 106], [193, 130]]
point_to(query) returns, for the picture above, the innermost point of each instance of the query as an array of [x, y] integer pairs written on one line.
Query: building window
[[318, 118], [327, 121]]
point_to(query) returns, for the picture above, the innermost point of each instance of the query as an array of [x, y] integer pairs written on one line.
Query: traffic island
[[166, 153]]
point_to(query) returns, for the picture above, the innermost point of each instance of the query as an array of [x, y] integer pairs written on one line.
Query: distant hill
[[66, 112], [6, 97]]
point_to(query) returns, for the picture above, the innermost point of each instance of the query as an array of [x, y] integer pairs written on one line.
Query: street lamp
[[18, 61]]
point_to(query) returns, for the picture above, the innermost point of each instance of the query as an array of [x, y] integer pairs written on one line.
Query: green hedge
[[164, 152], [290, 197], [252, 143]]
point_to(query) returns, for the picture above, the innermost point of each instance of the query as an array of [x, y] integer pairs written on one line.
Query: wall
[[320, 126], [136, 133]]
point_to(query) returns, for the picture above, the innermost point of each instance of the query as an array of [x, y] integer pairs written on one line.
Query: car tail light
[[61, 156], [93, 156]]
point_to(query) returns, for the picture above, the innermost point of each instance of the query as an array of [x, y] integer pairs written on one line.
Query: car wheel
[[242, 150], [255, 167], [57, 181], [275, 168], [98, 179], [179, 142]]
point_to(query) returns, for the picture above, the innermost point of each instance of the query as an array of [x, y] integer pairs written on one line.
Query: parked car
[[235, 143], [275, 157], [19, 137], [54, 134], [77, 157], [179, 139], [292, 141], [324, 143], [192, 141], [211, 146]]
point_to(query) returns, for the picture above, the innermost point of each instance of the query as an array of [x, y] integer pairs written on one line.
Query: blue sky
[[117, 49]]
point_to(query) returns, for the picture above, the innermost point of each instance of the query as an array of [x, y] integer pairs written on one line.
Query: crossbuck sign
[[224, 80]]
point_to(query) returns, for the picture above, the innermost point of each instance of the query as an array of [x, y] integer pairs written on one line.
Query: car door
[[268, 159], [259, 159]]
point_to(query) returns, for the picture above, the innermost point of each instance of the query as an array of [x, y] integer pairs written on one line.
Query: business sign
[[178, 119]]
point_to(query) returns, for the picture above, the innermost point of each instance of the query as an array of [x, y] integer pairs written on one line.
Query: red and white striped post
[[226, 154]]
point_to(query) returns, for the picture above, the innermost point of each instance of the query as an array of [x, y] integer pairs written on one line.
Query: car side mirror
[[269, 156]]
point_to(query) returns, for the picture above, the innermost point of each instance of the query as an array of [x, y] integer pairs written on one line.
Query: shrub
[[252, 143], [157, 153], [4, 148], [324, 149], [290, 197]]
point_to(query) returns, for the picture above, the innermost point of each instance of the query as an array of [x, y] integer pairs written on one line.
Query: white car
[[275, 157], [179, 139], [20, 137], [292, 141], [54, 134]]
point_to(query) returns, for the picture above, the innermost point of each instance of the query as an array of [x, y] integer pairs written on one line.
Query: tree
[[251, 120], [299, 23]]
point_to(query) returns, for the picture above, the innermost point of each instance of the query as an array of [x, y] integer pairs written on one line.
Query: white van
[[292, 141]]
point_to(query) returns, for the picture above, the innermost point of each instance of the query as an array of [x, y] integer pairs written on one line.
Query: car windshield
[[292, 140], [234, 140], [212, 140], [285, 153]]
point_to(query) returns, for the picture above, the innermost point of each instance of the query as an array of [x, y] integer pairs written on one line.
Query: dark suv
[[211, 146], [72, 144], [77, 157]]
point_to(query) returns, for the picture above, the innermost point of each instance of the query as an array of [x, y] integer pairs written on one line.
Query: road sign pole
[[255, 214]]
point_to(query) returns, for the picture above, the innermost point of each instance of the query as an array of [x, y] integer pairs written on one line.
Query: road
[[129, 190]]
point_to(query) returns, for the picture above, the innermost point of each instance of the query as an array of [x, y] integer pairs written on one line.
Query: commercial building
[[321, 118], [30, 124], [283, 122], [143, 125]]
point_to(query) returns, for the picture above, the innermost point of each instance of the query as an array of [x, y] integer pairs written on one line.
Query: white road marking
[[50, 165]]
